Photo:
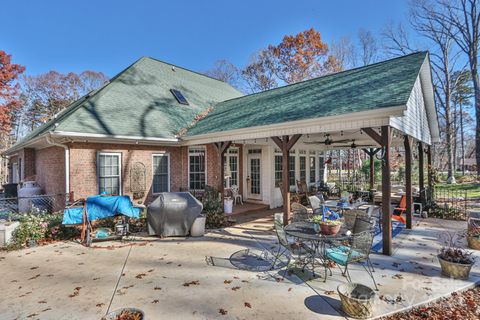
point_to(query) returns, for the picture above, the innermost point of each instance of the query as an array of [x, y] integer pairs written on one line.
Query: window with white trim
[[303, 168], [109, 172], [278, 169], [231, 167], [161, 173], [291, 175], [312, 169], [197, 168]]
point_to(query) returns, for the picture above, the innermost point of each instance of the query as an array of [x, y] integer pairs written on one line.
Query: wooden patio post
[[407, 141], [371, 153], [385, 140], [386, 192], [421, 176], [285, 144], [222, 148]]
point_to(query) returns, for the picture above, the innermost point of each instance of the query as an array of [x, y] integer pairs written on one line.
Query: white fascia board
[[356, 120]]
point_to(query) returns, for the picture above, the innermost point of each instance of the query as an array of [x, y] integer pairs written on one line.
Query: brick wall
[[83, 167], [50, 169], [29, 164]]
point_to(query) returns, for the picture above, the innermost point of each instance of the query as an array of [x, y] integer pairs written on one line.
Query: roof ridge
[[327, 75], [189, 70]]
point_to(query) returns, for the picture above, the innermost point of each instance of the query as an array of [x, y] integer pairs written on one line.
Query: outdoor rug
[[377, 244]]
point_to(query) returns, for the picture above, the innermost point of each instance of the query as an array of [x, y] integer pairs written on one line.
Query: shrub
[[213, 208], [41, 228]]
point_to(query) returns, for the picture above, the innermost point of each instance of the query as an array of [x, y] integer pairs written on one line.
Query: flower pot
[[357, 300], [6, 231], [198, 227], [228, 206], [114, 315], [329, 229], [455, 270], [473, 242]]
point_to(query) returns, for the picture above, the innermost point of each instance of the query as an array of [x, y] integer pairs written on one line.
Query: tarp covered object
[[172, 214], [99, 207]]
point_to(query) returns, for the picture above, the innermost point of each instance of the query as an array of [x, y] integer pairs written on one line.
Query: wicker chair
[[351, 215], [357, 252]]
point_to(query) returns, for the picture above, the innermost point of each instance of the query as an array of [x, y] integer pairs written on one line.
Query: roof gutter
[[67, 159], [130, 139]]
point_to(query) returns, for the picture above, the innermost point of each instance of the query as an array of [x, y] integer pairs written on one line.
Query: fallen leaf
[[99, 305], [235, 288], [155, 301], [157, 288], [140, 275], [195, 283], [42, 301], [247, 305], [222, 311], [329, 292], [227, 281]]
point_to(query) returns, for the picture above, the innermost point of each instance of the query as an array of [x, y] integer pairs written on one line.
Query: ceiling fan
[[353, 145], [328, 141]]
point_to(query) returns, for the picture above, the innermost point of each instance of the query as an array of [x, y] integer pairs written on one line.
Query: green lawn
[[472, 189]]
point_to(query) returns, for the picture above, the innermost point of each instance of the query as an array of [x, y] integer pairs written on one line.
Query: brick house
[[181, 128]]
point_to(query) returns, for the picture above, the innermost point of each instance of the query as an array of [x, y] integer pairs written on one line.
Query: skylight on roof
[[179, 96]]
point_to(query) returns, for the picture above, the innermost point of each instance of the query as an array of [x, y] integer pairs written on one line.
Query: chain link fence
[[38, 204]]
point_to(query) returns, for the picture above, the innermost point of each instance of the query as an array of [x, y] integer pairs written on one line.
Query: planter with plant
[[125, 314], [326, 226], [473, 234], [455, 262]]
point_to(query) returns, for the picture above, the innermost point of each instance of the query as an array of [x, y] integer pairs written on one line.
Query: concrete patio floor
[[170, 278]]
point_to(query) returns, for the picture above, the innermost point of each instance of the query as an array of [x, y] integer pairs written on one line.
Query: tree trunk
[[462, 139], [476, 89]]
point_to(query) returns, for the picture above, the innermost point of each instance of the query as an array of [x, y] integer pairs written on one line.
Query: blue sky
[[109, 35]]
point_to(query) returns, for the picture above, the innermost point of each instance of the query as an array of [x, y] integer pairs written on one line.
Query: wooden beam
[[407, 142], [421, 174], [372, 172], [374, 135], [221, 149], [386, 189], [285, 143]]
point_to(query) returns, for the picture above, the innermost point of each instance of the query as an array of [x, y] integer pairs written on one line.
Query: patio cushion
[[340, 254]]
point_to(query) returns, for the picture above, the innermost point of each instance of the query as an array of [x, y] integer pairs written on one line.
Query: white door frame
[[250, 195]]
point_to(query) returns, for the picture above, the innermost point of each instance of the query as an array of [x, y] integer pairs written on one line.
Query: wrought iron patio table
[[306, 232]]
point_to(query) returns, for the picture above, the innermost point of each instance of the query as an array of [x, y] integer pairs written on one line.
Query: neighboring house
[[167, 119]]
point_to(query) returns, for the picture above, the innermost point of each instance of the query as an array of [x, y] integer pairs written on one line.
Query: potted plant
[[125, 314], [330, 227], [473, 234], [316, 220], [455, 262]]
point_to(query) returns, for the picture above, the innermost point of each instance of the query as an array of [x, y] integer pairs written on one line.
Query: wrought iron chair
[[292, 248], [300, 212], [357, 252], [236, 195]]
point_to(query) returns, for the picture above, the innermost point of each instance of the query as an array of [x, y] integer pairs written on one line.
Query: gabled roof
[[138, 102], [380, 85]]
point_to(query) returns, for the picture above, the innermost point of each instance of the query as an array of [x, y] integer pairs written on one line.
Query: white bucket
[[228, 206], [198, 227]]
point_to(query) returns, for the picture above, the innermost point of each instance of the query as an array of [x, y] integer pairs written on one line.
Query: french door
[[254, 181]]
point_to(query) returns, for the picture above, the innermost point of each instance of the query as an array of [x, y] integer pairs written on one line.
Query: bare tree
[[368, 47], [444, 58], [396, 41], [345, 52], [225, 71], [464, 16]]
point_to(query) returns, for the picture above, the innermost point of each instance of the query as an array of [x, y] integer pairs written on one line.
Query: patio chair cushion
[[340, 254]]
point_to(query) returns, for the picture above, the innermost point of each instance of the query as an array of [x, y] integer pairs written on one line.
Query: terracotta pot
[[473, 242], [329, 229], [114, 314], [455, 270]]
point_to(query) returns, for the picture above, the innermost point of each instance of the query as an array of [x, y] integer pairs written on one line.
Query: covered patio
[[375, 108]]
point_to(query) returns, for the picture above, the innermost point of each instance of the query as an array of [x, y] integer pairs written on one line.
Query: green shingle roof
[[384, 84], [138, 102]]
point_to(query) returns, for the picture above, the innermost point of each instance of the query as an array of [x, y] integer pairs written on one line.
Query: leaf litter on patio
[[458, 306]]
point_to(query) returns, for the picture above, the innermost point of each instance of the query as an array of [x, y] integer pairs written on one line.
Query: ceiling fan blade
[[341, 141]]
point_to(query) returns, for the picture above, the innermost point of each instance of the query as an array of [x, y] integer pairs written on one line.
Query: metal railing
[[450, 204], [38, 204]]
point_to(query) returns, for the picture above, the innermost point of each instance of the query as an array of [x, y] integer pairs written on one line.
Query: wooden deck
[[248, 207]]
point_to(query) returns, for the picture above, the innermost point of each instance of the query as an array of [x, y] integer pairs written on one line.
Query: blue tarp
[[99, 207]]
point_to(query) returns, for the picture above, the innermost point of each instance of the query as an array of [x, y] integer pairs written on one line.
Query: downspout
[[67, 160]]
